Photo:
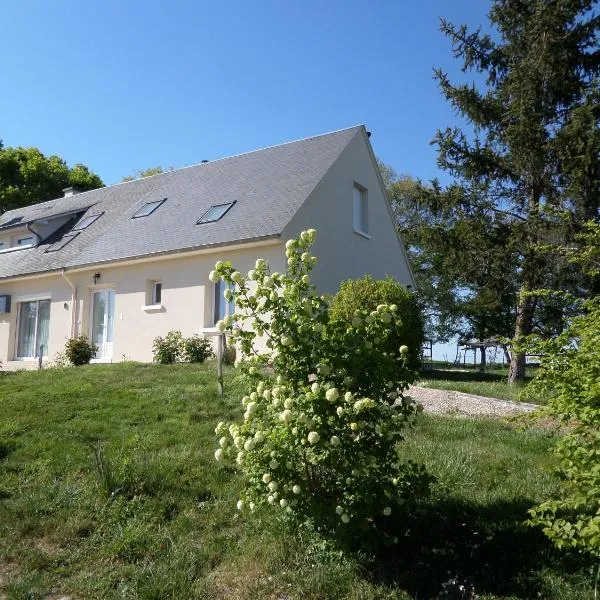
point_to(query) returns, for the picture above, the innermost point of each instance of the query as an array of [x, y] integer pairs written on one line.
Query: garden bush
[[168, 350], [569, 377], [197, 349], [79, 351], [321, 424], [366, 293]]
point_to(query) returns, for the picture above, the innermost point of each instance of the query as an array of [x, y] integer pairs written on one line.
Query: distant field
[[109, 489]]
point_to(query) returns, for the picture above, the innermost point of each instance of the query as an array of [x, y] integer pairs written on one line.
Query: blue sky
[[124, 85]]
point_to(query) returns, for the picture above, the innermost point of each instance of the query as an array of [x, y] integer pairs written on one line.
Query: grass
[[109, 489], [491, 383]]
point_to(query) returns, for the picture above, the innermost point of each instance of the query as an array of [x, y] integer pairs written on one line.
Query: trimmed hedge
[[367, 293]]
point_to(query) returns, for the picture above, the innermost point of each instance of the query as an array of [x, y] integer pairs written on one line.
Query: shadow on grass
[[472, 375], [453, 549]]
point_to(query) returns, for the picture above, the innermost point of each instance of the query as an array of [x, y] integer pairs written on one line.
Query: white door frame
[[104, 357]]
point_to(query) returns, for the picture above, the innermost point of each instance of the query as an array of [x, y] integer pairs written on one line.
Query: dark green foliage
[[529, 160], [570, 377], [168, 350], [80, 350], [197, 349], [366, 294], [463, 263], [27, 177]]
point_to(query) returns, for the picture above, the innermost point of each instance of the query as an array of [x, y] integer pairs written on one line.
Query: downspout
[[37, 235], [73, 304]]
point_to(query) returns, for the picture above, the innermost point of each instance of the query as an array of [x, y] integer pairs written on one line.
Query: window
[[85, 222], [214, 213], [156, 292], [222, 307], [361, 220], [60, 244], [34, 324], [147, 209], [153, 298], [26, 241]]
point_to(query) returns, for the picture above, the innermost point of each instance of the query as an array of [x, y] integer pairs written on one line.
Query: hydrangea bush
[[323, 415]]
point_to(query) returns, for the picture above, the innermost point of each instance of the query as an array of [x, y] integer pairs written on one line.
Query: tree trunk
[[523, 327], [483, 359]]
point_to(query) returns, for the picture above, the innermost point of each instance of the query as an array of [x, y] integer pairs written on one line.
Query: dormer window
[[214, 213], [25, 241], [147, 209], [86, 221]]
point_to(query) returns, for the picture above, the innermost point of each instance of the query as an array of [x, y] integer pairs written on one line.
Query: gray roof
[[268, 187]]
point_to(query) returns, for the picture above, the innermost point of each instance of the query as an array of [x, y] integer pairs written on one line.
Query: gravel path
[[444, 401]]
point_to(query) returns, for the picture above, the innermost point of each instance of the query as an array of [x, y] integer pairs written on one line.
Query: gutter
[[73, 304], [266, 240]]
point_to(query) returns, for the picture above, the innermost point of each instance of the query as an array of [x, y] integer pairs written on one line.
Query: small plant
[[79, 351], [197, 349], [168, 350]]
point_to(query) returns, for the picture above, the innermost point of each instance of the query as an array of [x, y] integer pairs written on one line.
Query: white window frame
[[18, 301], [152, 303], [360, 210], [156, 297], [229, 305], [27, 237]]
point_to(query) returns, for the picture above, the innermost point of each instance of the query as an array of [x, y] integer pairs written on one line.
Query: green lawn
[[109, 489], [492, 382]]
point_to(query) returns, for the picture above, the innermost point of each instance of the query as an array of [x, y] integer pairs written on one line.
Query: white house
[[128, 262]]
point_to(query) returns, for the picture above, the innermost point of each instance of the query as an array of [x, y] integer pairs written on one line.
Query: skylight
[[60, 244], [147, 209], [86, 221], [215, 212]]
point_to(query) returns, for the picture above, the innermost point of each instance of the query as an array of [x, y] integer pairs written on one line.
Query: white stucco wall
[[187, 294], [344, 254], [187, 297]]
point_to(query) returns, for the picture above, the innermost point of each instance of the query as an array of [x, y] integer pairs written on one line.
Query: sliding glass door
[[34, 324]]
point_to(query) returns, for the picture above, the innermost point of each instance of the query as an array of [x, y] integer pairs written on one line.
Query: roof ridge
[[112, 185], [305, 139]]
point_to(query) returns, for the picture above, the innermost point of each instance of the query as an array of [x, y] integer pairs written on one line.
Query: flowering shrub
[[318, 439], [168, 350], [197, 349]]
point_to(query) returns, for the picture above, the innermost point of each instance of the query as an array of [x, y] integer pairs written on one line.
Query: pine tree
[[530, 153]]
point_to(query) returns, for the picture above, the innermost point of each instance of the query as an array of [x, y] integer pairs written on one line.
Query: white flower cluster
[[336, 429]]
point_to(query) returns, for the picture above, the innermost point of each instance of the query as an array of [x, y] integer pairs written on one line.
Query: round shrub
[[168, 350], [197, 349], [366, 294], [79, 351], [318, 441]]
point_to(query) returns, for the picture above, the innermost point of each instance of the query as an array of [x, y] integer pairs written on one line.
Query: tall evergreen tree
[[530, 154]]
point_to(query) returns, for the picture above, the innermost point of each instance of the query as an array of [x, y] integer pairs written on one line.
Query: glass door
[[34, 325], [103, 318]]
